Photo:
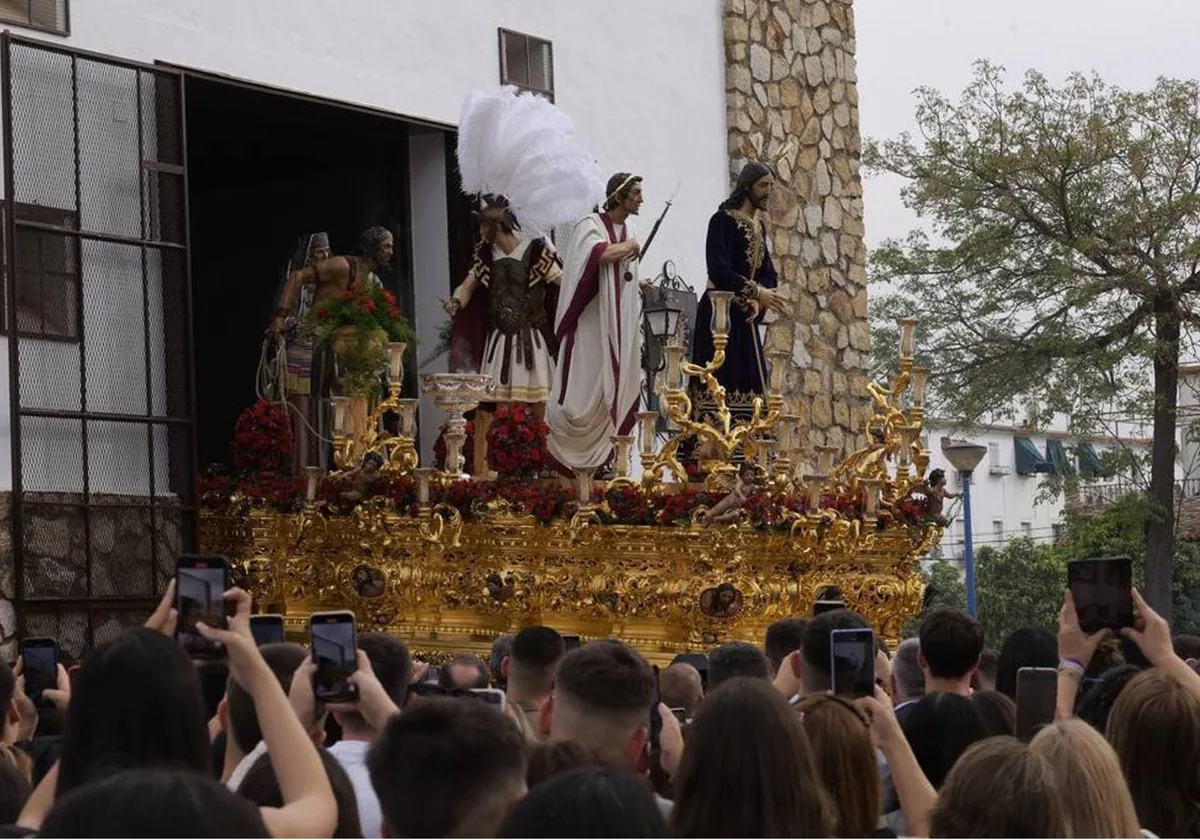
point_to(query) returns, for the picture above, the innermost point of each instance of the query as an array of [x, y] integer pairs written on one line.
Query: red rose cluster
[[517, 442], [262, 439]]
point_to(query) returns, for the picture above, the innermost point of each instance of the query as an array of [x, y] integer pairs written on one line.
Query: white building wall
[[1004, 504], [644, 82], [647, 98]]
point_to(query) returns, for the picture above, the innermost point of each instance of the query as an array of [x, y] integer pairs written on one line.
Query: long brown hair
[[1155, 729], [748, 770], [1094, 792], [1000, 788], [841, 742]]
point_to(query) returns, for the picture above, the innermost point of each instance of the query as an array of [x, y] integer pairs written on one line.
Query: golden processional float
[[448, 562]]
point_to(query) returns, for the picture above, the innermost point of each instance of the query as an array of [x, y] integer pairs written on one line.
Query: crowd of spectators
[[140, 741]]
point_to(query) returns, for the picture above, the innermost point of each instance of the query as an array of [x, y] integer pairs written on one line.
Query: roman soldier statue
[[517, 155], [503, 315]]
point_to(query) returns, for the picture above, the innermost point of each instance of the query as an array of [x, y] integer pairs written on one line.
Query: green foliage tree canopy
[[1061, 257]]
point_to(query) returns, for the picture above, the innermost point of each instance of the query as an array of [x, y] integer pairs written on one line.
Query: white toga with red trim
[[598, 325]]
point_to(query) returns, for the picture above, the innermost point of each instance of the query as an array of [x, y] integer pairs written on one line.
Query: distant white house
[[1007, 495]]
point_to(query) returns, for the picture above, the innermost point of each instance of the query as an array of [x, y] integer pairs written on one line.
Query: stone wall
[[121, 543], [792, 100]]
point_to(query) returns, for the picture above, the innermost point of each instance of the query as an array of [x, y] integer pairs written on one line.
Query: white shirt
[[352, 755], [239, 772]]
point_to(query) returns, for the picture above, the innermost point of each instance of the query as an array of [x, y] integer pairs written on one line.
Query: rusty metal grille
[[96, 283]]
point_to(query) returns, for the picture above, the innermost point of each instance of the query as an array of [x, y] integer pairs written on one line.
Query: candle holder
[[406, 410], [674, 351], [584, 482], [312, 477], [825, 459], [623, 445], [426, 476], [908, 339], [763, 447], [341, 414], [920, 379], [720, 318], [778, 361], [871, 488], [396, 363], [816, 486]]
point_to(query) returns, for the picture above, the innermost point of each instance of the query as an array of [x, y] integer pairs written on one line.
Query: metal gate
[[96, 306]]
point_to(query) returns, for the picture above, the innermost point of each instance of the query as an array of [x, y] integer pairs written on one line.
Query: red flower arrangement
[[516, 442], [262, 439], [439, 449], [280, 492], [545, 501]]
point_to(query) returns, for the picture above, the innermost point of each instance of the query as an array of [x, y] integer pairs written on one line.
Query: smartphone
[[267, 629], [1102, 588], [828, 606], [1037, 692], [852, 662], [200, 584], [433, 674], [491, 696], [334, 645], [40, 658], [655, 716], [571, 642]]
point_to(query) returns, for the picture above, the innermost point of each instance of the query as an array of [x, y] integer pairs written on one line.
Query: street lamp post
[[661, 315], [965, 456]]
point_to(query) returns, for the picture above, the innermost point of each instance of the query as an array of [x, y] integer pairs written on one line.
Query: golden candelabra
[[398, 451], [450, 578]]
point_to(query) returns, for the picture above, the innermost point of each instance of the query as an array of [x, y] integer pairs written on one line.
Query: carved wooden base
[[447, 586]]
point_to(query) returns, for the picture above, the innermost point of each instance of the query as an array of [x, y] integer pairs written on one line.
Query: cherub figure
[[750, 480]]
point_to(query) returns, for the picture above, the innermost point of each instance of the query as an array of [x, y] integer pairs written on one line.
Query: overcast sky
[[904, 44]]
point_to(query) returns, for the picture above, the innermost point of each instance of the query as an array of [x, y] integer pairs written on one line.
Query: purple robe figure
[[739, 262]]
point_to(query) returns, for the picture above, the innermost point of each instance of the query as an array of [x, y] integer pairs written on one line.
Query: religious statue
[[740, 262], [598, 325], [935, 486], [503, 316], [334, 275], [329, 278], [361, 477], [750, 480], [294, 383], [517, 155]]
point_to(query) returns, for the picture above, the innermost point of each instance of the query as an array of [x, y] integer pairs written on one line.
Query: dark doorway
[[266, 168]]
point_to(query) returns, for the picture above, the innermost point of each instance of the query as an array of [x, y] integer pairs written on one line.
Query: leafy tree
[[945, 580], [1060, 259], [1019, 584]]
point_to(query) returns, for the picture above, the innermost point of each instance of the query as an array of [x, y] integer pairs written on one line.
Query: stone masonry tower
[[792, 100]]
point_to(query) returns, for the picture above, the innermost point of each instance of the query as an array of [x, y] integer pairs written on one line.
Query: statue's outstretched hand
[[451, 305]]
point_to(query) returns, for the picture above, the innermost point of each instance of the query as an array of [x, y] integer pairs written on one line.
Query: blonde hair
[[840, 736], [1154, 729], [1095, 795], [1000, 788]]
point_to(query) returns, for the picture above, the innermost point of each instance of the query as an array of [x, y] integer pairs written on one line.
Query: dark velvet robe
[[737, 254]]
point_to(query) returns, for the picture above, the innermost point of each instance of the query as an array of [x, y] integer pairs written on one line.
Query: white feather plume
[[522, 147]]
